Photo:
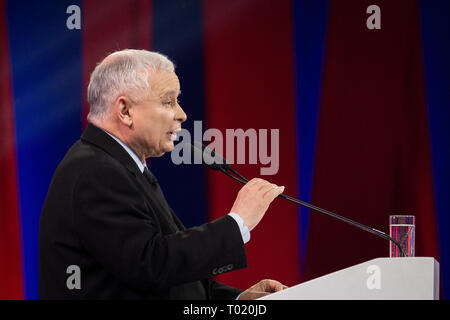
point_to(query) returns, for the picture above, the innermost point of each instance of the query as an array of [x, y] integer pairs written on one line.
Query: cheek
[[146, 131], [165, 121], [154, 126]]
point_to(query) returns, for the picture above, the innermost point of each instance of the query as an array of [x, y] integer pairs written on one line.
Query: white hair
[[123, 72]]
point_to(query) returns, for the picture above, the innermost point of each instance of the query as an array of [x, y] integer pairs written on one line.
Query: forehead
[[164, 83]]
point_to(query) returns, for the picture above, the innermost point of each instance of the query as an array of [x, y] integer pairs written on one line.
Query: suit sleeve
[[114, 226]]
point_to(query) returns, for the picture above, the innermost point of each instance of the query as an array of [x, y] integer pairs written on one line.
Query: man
[[106, 230]]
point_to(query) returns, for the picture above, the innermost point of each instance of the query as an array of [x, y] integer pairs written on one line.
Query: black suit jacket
[[102, 216]]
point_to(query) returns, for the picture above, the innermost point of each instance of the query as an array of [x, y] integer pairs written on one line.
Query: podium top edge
[[405, 258]]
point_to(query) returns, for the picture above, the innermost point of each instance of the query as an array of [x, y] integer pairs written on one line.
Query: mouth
[[173, 134]]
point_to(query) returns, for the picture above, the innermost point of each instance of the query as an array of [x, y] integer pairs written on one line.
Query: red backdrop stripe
[[249, 84], [373, 149], [11, 272], [102, 34]]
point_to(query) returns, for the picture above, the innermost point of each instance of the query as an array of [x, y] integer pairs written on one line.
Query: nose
[[179, 114]]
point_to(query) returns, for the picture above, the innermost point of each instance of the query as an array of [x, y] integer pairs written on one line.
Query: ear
[[123, 109]]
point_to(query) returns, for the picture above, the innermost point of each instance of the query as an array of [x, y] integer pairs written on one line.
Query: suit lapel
[[156, 199]]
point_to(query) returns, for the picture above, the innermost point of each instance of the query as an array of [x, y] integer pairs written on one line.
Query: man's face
[[157, 117]]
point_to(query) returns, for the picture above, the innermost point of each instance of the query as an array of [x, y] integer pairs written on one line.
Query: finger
[[271, 194], [259, 183], [273, 286], [266, 188], [250, 294], [281, 286], [255, 182], [264, 184]]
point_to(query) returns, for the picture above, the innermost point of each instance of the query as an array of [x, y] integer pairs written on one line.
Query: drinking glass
[[402, 230]]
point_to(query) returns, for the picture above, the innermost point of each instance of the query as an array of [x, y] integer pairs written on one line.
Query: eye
[[171, 103]]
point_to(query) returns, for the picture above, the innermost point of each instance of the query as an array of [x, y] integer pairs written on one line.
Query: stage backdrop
[[362, 113]]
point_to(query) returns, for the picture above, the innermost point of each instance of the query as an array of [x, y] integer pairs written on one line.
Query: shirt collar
[[132, 154]]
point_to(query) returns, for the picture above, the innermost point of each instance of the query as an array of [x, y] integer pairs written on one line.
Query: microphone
[[216, 162], [208, 157]]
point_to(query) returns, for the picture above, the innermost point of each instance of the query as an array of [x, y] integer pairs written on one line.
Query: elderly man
[[106, 230]]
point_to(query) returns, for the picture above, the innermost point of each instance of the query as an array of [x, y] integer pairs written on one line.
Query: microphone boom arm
[[379, 233], [221, 165]]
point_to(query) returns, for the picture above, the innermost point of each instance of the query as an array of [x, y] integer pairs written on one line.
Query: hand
[[261, 289], [254, 199]]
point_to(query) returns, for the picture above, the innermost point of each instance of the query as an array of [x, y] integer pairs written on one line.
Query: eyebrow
[[171, 93]]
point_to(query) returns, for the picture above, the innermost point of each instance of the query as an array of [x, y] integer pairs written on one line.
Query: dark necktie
[[158, 193], [150, 177]]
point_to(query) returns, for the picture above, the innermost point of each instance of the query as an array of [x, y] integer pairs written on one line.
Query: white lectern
[[382, 278]]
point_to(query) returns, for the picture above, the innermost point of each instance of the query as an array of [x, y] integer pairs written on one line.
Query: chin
[[162, 152]]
